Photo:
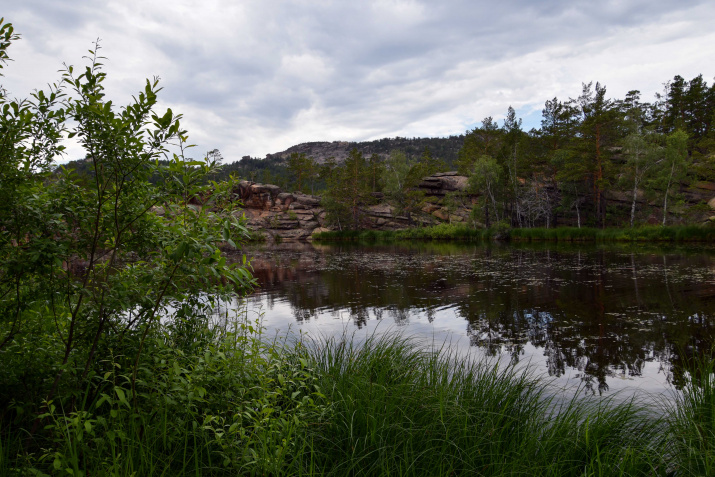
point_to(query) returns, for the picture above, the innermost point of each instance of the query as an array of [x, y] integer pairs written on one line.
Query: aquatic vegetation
[[462, 232]]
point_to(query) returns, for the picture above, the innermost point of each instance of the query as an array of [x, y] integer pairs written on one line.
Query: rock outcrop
[[296, 216], [291, 216], [442, 183], [319, 151]]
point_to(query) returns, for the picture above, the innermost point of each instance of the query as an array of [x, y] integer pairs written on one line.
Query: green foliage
[[302, 169], [376, 170], [484, 180], [691, 233], [674, 168], [399, 409], [503, 231], [91, 270], [224, 402], [348, 191], [641, 154], [484, 140]]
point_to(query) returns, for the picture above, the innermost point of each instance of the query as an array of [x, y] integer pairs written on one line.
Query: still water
[[593, 318]]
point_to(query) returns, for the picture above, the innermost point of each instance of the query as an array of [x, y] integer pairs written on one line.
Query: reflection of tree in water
[[400, 315], [587, 321], [603, 313]]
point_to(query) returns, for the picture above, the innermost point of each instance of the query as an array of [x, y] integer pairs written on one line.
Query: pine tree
[[598, 131], [348, 191], [484, 140]]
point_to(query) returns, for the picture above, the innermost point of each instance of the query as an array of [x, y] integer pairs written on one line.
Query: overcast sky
[[255, 77]]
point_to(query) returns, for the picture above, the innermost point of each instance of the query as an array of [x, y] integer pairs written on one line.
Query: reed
[[398, 409], [387, 406], [691, 418], [461, 232]]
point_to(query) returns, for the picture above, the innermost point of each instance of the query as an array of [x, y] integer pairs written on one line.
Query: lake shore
[[461, 232]]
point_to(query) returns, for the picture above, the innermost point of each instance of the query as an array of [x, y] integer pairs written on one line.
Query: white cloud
[[256, 77]]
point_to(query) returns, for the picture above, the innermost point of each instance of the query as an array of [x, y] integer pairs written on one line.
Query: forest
[[588, 150]]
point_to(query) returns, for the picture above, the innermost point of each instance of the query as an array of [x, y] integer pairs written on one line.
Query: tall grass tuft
[[335, 407], [398, 409], [692, 422]]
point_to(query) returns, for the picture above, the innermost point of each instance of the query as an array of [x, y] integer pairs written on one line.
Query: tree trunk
[[633, 204], [599, 178], [667, 191]]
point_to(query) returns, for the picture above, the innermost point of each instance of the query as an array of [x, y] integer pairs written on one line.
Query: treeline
[[276, 168], [591, 147], [588, 151]]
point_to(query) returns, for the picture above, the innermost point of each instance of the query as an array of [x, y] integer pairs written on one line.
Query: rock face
[[442, 183], [296, 216], [320, 151], [280, 214]]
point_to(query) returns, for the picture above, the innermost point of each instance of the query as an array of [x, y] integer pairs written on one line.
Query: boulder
[[703, 185], [158, 210], [381, 210], [284, 200], [442, 183], [271, 189], [307, 200], [441, 214]]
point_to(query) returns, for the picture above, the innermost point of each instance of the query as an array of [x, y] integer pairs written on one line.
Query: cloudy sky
[[255, 77]]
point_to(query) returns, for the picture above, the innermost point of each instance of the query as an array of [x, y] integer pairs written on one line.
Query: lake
[[594, 318]]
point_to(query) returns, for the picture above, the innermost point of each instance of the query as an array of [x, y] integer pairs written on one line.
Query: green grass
[[337, 408], [692, 422], [461, 232], [686, 233], [436, 232], [401, 410]]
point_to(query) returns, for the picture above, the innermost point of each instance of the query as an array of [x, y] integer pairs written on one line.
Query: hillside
[[444, 148]]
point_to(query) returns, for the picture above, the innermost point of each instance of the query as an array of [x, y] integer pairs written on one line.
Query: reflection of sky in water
[[604, 320], [445, 329]]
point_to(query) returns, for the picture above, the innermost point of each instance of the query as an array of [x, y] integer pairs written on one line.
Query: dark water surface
[[603, 318]]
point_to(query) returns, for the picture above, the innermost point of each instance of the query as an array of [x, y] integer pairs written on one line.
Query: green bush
[[91, 276]]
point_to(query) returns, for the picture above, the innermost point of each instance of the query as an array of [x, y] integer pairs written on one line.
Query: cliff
[[296, 216]]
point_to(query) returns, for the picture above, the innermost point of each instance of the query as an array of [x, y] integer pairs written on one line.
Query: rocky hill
[[445, 148]]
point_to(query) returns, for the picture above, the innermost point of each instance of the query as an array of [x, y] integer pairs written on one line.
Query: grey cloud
[[367, 67]]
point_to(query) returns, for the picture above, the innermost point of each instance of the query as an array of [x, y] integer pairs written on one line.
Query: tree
[[396, 180], [402, 176], [348, 190], [483, 180], [674, 167], [479, 141], [559, 124], [640, 158], [430, 165], [92, 267], [298, 168], [510, 155], [376, 170], [598, 131]]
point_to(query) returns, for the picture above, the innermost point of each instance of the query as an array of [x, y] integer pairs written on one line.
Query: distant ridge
[[445, 148]]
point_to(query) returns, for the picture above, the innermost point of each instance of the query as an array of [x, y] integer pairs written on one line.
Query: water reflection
[[595, 313]]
